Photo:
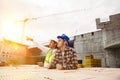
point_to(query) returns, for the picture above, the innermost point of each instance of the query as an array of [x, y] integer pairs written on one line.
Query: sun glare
[[12, 31]]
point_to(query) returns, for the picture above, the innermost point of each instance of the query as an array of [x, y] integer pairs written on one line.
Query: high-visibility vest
[[49, 57]]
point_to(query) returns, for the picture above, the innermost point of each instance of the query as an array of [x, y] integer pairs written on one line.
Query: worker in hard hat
[[65, 58], [50, 54]]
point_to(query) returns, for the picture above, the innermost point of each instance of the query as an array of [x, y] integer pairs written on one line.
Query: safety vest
[[49, 57]]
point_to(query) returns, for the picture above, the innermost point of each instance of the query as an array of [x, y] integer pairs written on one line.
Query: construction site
[[59, 40], [98, 56]]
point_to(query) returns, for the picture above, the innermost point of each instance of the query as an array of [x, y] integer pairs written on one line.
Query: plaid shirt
[[68, 60]]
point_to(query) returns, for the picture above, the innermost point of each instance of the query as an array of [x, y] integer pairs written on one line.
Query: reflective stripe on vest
[[49, 57]]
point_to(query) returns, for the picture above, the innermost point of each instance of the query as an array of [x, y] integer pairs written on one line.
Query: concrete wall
[[110, 31], [113, 57], [111, 39], [90, 43], [104, 44]]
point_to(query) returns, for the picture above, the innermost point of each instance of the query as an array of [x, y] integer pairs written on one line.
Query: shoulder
[[71, 49], [55, 50], [58, 52], [49, 49]]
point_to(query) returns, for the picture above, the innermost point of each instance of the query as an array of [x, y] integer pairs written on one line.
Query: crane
[[24, 21], [55, 14]]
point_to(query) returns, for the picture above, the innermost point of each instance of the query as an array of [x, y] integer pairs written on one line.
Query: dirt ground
[[34, 72]]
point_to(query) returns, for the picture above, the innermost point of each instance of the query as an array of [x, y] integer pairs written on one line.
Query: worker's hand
[[41, 64], [49, 66], [59, 67]]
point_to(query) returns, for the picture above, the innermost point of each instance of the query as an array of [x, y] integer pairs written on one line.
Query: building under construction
[[103, 44]]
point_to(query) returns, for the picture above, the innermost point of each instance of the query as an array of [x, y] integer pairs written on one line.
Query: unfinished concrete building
[[14, 52], [103, 44]]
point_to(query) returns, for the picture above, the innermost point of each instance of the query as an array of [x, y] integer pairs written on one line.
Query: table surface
[[34, 72]]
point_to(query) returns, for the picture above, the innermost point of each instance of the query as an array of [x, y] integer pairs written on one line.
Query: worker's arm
[[72, 62]]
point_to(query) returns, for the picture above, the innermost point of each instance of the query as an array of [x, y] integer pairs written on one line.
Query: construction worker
[[50, 54], [65, 58]]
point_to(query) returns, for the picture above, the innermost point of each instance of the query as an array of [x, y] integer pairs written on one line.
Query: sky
[[54, 17]]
